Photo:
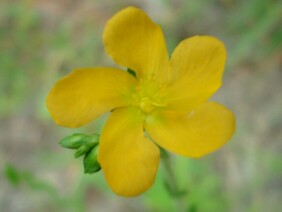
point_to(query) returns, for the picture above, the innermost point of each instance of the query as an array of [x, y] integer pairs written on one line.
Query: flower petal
[[128, 159], [202, 131], [134, 41], [86, 93], [197, 66]]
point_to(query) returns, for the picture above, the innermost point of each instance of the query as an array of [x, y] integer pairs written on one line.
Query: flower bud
[[91, 164], [83, 143], [94, 138], [85, 148], [74, 141], [90, 142]]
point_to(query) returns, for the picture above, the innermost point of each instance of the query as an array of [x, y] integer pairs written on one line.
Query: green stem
[[171, 185]]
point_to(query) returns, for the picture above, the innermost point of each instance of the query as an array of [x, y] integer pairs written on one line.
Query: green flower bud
[[90, 161], [83, 143], [85, 148], [90, 142], [93, 139], [74, 141]]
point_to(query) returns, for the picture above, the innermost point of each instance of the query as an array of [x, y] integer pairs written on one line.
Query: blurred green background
[[43, 40]]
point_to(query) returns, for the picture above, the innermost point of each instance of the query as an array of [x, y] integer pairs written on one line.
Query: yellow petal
[[128, 159], [200, 132], [197, 66], [134, 41], [86, 93]]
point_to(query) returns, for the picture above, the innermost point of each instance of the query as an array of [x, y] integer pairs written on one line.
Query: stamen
[[146, 105]]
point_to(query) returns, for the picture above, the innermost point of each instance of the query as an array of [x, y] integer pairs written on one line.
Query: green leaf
[[12, 175]]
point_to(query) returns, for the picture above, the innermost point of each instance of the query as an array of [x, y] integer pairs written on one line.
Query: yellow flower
[[167, 99]]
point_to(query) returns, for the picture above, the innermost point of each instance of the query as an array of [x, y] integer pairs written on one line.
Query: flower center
[[146, 105]]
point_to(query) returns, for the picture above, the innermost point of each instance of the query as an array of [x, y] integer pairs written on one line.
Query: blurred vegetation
[[40, 41]]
